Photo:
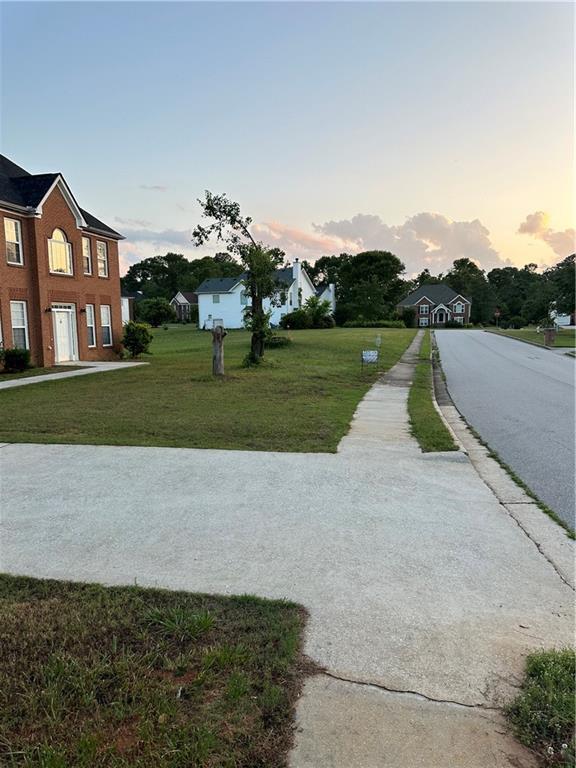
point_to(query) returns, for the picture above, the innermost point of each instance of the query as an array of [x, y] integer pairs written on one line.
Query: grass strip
[[542, 714], [425, 421], [118, 677], [564, 337]]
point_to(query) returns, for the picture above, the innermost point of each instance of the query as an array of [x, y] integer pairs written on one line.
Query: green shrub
[[409, 316], [155, 311], [453, 324], [374, 324], [297, 321], [325, 322], [516, 322], [543, 713], [137, 338], [16, 360], [273, 342]]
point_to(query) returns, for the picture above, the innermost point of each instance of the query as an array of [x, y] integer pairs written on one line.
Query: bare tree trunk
[[218, 334], [258, 334]]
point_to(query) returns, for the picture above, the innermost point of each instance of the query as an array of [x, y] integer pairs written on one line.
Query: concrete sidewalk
[[84, 369], [424, 593]]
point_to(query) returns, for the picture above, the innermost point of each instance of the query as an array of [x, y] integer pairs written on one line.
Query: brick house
[[59, 272], [436, 304]]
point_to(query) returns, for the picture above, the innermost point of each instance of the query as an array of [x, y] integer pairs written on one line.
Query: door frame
[[70, 310]]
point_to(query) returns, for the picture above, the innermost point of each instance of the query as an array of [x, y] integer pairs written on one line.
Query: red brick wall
[[35, 284]]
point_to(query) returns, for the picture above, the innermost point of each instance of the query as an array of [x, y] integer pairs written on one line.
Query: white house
[[222, 300], [327, 293]]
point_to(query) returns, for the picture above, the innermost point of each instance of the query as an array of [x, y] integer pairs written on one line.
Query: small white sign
[[369, 356]]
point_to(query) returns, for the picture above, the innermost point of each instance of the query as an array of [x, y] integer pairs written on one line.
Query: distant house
[[327, 292], [222, 300], [183, 303], [437, 304], [128, 299]]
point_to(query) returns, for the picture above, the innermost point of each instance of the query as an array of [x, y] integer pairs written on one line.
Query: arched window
[[60, 253]]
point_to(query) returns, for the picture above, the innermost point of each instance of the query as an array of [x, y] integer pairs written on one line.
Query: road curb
[[525, 341], [550, 538]]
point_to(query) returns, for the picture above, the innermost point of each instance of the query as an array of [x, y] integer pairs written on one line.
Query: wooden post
[[218, 334]]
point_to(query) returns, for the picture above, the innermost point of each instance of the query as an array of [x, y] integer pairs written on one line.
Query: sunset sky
[[434, 130]]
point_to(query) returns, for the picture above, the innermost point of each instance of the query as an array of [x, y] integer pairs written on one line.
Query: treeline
[[369, 285], [161, 277]]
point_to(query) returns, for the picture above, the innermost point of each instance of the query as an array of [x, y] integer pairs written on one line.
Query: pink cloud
[[537, 224]]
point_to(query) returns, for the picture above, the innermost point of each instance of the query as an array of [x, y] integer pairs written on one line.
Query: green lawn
[[123, 677], [301, 399], [564, 338], [543, 712], [425, 422]]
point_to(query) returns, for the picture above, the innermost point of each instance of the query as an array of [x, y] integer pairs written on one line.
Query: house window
[[459, 320], [19, 317], [424, 309], [91, 325], [244, 298], [86, 256], [13, 235], [60, 254], [423, 322], [102, 256], [459, 308], [216, 299], [106, 325]]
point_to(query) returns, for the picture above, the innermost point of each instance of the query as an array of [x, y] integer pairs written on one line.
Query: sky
[[433, 130]]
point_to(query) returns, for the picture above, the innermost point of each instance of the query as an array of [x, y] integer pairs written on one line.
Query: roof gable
[[60, 184], [26, 190], [435, 292]]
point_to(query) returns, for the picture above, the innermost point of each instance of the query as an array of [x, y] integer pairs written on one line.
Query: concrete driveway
[[520, 399], [417, 579]]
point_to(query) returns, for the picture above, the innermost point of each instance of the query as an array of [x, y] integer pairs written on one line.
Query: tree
[[467, 279], [562, 279], [318, 310], [370, 285], [229, 226], [163, 276], [137, 338], [156, 312]]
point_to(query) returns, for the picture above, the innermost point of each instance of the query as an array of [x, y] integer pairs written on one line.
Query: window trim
[[87, 240], [13, 242], [70, 253], [424, 309], [104, 325], [106, 261], [215, 298], [459, 308], [25, 326], [91, 325], [423, 322]]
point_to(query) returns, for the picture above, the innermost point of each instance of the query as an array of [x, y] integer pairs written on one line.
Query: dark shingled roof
[[224, 284], [439, 293], [218, 284], [18, 187]]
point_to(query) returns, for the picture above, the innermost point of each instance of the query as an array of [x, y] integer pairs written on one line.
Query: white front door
[[65, 339]]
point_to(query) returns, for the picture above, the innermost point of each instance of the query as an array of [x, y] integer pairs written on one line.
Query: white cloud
[[424, 240], [154, 187], [537, 224]]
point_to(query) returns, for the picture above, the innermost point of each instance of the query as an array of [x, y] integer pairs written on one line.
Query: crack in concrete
[[417, 694], [538, 547]]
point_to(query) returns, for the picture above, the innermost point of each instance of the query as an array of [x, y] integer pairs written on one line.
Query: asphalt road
[[520, 399]]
